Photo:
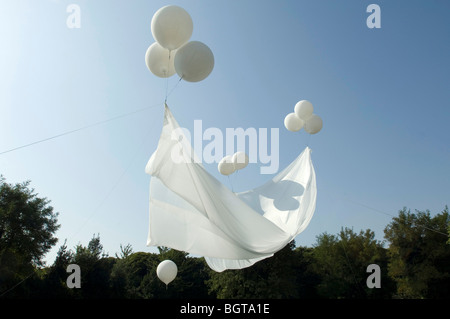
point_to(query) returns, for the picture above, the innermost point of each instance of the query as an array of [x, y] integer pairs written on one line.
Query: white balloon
[[171, 27], [240, 160], [194, 61], [226, 165], [167, 271], [160, 61], [304, 109], [314, 124], [293, 123]]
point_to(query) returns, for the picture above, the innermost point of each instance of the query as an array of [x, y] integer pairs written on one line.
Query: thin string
[[167, 78], [171, 91], [229, 179], [79, 129], [168, 93], [108, 194], [16, 285], [381, 212]]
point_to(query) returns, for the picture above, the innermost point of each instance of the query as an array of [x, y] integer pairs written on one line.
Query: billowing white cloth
[[190, 210]]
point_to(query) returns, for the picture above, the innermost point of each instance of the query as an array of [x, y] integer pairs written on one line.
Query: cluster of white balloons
[[167, 271], [172, 52], [231, 163], [303, 117]]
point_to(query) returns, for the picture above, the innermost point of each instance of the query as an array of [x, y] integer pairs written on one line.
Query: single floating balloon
[[167, 271], [194, 61], [240, 160], [172, 27], [304, 109], [293, 123], [226, 165], [160, 61], [314, 124]]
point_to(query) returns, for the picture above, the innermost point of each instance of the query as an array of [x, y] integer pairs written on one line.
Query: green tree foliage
[[416, 263], [341, 262], [306, 279], [96, 268], [136, 276], [270, 278], [56, 276], [130, 275], [27, 227], [419, 256], [125, 251], [191, 277]]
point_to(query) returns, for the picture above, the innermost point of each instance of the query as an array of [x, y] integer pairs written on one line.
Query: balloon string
[[229, 179], [167, 82], [167, 95], [167, 78]]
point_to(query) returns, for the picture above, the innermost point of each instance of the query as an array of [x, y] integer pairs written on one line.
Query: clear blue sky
[[383, 95]]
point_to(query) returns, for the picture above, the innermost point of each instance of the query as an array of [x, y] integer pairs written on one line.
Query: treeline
[[414, 262]]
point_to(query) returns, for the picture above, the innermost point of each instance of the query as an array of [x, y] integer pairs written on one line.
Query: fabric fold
[[192, 211]]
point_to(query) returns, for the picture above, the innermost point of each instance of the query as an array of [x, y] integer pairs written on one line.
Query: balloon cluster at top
[[172, 52], [303, 117]]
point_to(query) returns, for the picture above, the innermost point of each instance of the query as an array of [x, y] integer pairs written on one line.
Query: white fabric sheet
[[190, 210]]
